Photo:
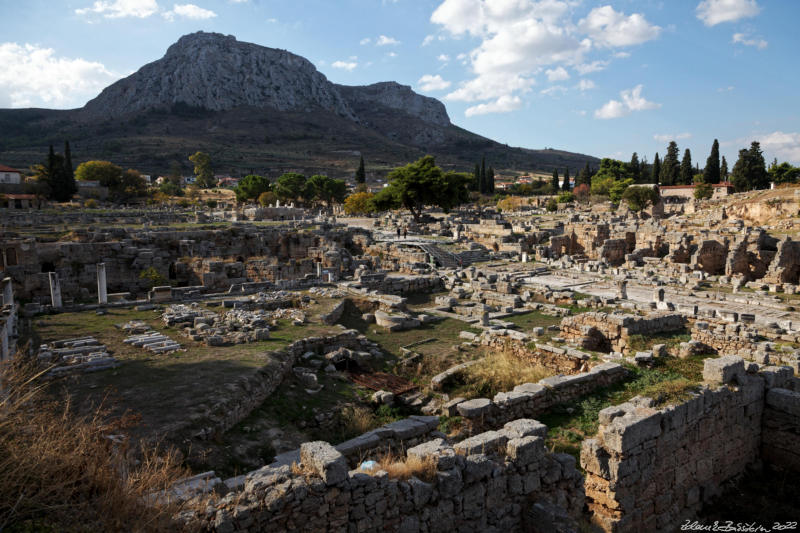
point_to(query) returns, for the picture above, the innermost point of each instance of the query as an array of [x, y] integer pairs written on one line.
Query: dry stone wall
[[611, 331]]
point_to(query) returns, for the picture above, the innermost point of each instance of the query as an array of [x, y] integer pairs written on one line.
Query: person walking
[[398, 232], [405, 232]]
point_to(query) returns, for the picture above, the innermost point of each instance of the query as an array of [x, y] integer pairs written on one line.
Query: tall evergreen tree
[[711, 174], [686, 174], [656, 170], [476, 178], [723, 170], [69, 172], [483, 175], [644, 173], [361, 174], [554, 185], [490, 181], [635, 168], [750, 170], [565, 186], [51, 156], [670, 166], [584, 176]]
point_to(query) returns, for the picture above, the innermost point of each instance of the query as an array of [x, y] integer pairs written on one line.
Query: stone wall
[[746, 342], [501, 481], [780, 441], [649, 469], [611, 331], [532, 399]]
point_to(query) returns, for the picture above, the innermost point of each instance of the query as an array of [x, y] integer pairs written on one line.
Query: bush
[[639, 198], [703, 190], [267, 198], [359, 203], [91, 203], [153, 277], [64, 472], [183, 202], [211, 203], [582, 193], [566, 197], [552, 205]]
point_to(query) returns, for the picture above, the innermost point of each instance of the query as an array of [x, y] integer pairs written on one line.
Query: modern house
[[10, 176]]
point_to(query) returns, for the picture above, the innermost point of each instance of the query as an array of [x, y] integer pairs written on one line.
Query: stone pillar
[[524, 257], [658, 295], [4, 342], [622, 289], [102, 293], [8, 292], [485, 318], [55, 290], [319, 269]]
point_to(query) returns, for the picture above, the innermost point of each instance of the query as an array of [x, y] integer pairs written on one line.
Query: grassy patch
[[534, 319], [641, 343], [499, 371]]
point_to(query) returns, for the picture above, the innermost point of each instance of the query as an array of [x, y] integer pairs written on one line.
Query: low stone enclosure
[[611, 332], [647, 470]]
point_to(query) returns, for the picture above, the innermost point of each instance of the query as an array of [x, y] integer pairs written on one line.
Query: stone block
[[524, 427], [776, 376], [723, 369], [482, 443], [325, 460], [474, 408], [784, 400], [525, 450], [626, 432]]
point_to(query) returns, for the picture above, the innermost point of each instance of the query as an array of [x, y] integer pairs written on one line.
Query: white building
[[10, 175]]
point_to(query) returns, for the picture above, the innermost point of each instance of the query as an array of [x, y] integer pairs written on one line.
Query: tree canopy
[[711, 174], [105, 172], [290, 187], [359, 203], [203, 170], [322, 189], [251, 187], [361, 174], [423, 183], [686, 173], [56, 175], [670, 166], [612, 179], [639, 198], [750, 170], [783, 173]]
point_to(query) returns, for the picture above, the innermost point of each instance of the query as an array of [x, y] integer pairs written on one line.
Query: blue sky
[[604, 78]]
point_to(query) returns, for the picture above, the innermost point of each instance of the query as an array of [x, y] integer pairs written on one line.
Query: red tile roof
[[4, 168]]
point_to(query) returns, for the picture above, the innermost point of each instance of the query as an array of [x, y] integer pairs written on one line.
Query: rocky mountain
[[260, 109]]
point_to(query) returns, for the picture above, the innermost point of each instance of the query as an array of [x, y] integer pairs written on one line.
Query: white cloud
[[443, 58], [622, 55], [121, 8], [430, 38], [727, 89], [667, 137], [557, 74], [35, 76], [238, 1], [345, 65], [594, 66], [429, 83], [741, 38], [490, 88], [784, 146], [392, 54], [585, 85], [609, 28], [713, 12], [504, 104], [386, 41], [189, 11], [632, 100], [555, 89], [365, 40]]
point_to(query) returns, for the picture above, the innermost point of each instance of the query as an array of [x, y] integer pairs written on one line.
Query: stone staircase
[[444, 258]]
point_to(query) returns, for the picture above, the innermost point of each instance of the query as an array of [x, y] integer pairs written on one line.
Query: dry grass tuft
[[64, 472], [501, 371], [404, 468]]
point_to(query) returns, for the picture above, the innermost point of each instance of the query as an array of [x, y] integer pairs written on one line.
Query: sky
[[604, 78]]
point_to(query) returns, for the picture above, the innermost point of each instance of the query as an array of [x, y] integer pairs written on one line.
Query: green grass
[[528, 321], [641, 343], [670, 381]]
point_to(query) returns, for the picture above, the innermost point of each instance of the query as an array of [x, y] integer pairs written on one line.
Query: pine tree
[[656, 170], [686, 173], [670, 166], [723, 170], [483, 175], [490, 181], [634, 168], [554, 181], [584, 176], [565, 185], [711, 174], [361, 174], [750, 170]]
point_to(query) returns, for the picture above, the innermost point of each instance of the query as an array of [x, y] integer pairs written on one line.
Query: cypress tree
[[69, 172], [723, 170], [656, 169], [483, 175], [670, 166], [490, 181], [635, 169], [565, 185], [584, 176], [711, 174], [686, 172], [51, 156], [750, 170], [554, 182], [476, 178], [361, 175]]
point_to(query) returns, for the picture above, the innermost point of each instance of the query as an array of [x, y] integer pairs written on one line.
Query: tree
[[57, 176], [251, 187], [422, 183], [612, 179], [750, 170], [565, 185], [711, 174], [475, 184], [686, 173], [639, 198], [702, 190], [69, 172], [290, 187], [322, 189], [490, 181], [105, 172], [552, 205], [202, 170], [581, 192], [359, 203], [482, 185], [656, 170], [783, 173], [361, 174], [554, 185], [723, 170], [584, 176], [131, 185], [670, 166], [636, 171]]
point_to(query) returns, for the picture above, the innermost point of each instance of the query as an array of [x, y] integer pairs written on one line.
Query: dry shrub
[[64, 472], [404, 468], [501, 371], [352, 421]]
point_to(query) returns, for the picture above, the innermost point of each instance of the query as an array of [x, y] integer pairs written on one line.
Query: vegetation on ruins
[[63, 471], [566, 197], [359, 203], [423, 183], [203, 171], [582, 193], [638, 197], [251, 187], [153, 277], [750, 170], [498, 371]]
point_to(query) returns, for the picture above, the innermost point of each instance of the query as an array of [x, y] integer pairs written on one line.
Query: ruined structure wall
[[781, 434], [610, 332]]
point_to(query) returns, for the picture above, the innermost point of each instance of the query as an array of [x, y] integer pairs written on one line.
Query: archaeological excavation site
[[583, 368]]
